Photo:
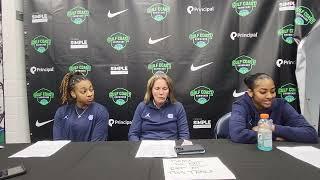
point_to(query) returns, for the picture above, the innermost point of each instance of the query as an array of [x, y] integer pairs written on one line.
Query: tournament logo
[[288, 92], [202, 94], [78, 14], [287, 6], [39, 18], [244, 7], [43, 96], [41, 43], [191, 9], [159, 65], [243, 64], [286, 33], [281, 62], [201, 38], [158, 11], [120, 96], [78, 44], [82, 67], [304, 16], [118, 40]]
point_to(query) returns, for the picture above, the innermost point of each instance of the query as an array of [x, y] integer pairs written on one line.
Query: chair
[[221, 130]]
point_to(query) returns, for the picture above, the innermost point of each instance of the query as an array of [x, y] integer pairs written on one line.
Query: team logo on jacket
[[41, 43], [201, 38], [286, 33], [39, 18], [202, 94], [43, 96], [244, 7], [288, 92], [158, 11], [82, 67], [78, 15], [120, 96], [90, 117], [243, 64], [159, 65], [118, 40], [304, 16]]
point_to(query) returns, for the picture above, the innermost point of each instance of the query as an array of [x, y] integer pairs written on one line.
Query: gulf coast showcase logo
[[286, 33], [288, 92], [43, 96], [201, 38], [201, 94], [192, 9], [158, 11], [287, 6], [244, 7], [78, 44], [78, 15], [159, 65], [39, 18], [283, 62], [304, 16], [120, 96], [41, 43], [82, 67], [118, 40], [243, 64]]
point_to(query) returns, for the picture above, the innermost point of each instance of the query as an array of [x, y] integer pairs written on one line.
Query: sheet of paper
[[196, 168], [307, 154], [41, 149], [156, 148]]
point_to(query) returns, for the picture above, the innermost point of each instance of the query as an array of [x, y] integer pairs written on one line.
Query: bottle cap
[[264, 116]]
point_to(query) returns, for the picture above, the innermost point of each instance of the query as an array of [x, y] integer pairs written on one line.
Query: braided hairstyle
[[250, 81], [67, 85]]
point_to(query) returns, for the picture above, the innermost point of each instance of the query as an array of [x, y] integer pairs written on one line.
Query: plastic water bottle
[[264, 133]]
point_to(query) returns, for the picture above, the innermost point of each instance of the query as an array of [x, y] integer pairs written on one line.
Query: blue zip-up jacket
[[168, 122], [91, 126], [289, 124]]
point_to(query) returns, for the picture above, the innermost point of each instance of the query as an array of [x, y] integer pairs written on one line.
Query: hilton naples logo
[[243, 64], [43, 96], [82, 67], [120, 96], [286, 33], [78, 15], [118, 40], [201, 38], [158, 11], [202, 94], [40, 43], [159, 65], [244, 7], [304, 16], [288, 92]]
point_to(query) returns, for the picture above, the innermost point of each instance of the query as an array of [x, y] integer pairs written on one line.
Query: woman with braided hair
[[80, 118]]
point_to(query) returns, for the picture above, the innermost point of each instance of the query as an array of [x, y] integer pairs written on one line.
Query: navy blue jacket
[[289, 124], [168, 122]]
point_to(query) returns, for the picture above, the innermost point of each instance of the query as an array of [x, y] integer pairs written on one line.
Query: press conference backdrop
[[206, 46]]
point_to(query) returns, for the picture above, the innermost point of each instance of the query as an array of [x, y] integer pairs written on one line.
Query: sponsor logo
[[39, 124], [82, 67], [111, 15], [281, 62], [39, 18], [235, 35], [158, 11], [244, 7], [287, 6], [118, 40], [78, 44], [243, 64], [159, 65], [34, 69], [191, 9], [235, 94], [78, 15], [202, 94], [304, 16], [286, 33], [117, 70], [40, 43], [119, 122], [43, 96], [201, 38], [288, 92], [157, 40], [120, 96], [196, 68], [199, 123]]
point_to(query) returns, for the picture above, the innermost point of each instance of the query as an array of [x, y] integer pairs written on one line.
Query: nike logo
[[39, 124], [111, 15], [196, 68], [157, 40], [235, 94]]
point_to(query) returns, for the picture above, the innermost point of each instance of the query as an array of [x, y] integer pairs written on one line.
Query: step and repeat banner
[[2, 132], [206, 46]]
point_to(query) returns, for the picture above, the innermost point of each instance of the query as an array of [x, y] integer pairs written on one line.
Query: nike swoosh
[[196, 68], [235, 94], [157, 40], [39, 124], [111, 15]]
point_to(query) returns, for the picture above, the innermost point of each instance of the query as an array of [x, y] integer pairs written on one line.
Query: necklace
[[79, 115]]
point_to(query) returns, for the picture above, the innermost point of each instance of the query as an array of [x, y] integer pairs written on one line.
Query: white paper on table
[[40, 149], [196, 168], [307, 154], [156, 148]]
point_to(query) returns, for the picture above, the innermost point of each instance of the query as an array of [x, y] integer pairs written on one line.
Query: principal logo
[[111, 15], [202, 94], [78, 15], [43, 96], [287, 6], [157, 40], [118, 40], [159, 65], [243, 64], [201, 38], [158, 11], [82, 67], [196, 68], [78, 44], [304, 16], [286, 33], [39, 18], [281, 62], [119, 122], [117, 70], [120, 96], [244, 7], [235, 35], [200, 123], [41, 43], [288, 92], [191, 9], [34, 69]]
